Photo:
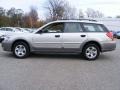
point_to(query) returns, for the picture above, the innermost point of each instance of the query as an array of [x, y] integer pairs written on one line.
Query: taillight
[[110, 35]]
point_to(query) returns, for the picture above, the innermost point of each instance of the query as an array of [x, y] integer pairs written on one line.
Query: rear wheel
[[21, 50], [91, 52]]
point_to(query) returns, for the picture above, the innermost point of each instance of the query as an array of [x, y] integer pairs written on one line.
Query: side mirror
[[40, 31]]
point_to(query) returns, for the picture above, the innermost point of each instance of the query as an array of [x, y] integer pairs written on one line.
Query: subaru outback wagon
[[64, 36]]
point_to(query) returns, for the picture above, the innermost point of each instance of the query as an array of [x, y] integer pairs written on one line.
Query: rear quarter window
[[94, 27]]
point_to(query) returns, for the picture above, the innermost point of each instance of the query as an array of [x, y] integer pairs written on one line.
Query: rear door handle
[[57, 36], [83, 35]]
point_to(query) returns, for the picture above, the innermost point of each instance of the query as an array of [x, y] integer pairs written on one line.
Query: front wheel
[[91, 52], [21, 50]]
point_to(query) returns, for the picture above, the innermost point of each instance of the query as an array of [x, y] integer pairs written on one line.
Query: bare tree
[[26, 20], [33, 16], [11, 12], [56, 9], [2, 11], [99, 14], [15, 16], [91, 13], [59, 9], [81, 14], [69, 12]]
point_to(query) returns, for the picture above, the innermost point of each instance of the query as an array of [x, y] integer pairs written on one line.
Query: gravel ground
[[60, 72]]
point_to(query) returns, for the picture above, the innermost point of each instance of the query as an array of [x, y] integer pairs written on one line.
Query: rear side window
[[73, 27], [94, 27]]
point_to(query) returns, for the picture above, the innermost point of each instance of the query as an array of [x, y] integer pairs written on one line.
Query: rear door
[[73, 36]]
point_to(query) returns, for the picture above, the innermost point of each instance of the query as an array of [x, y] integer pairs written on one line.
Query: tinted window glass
[[104, 28], [54, 28], [9, 29], [2, 29], [94, 28], [73, 27]]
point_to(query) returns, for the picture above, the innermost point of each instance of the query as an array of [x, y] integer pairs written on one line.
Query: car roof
[[80, 21], [74, 21]]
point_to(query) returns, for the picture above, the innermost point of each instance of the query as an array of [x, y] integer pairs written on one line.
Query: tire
[[21, 50], [91, 52]]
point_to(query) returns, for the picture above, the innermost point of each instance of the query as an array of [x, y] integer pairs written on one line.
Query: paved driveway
[[60, 72]]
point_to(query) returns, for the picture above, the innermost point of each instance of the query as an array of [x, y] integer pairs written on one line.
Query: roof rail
[[89, 20], [82, 19]]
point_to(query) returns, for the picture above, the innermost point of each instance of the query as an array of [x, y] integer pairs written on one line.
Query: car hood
[[21, 34], [13, 34]]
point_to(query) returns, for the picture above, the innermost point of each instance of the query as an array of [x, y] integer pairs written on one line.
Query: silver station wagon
[[85, 37]]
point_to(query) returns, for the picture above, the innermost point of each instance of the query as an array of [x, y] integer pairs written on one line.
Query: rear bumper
[[108, 46]]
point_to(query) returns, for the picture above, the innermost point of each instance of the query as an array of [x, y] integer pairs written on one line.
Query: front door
[[50, 38]]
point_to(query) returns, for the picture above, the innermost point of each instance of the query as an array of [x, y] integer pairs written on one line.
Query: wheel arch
[[20, 40], [91, 42]]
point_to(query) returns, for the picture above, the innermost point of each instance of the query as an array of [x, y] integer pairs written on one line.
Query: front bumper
[[1, 39], [108, 46], [7, 46]]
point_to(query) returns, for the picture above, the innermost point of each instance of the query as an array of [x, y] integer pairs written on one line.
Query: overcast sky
[[108, 7]]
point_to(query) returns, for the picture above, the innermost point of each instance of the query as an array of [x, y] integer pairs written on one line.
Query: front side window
[[94, 27], [54, 28], [73, 27]]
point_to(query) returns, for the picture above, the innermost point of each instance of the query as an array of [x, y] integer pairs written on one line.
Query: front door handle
[[57, 36], [83, 35]]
